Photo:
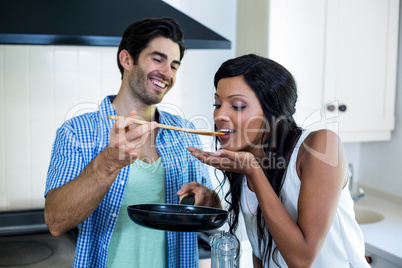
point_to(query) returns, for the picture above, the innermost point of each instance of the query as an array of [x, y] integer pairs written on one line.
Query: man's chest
[[149, 153]]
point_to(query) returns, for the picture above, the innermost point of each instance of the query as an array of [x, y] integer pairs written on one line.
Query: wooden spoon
[[188, 130]]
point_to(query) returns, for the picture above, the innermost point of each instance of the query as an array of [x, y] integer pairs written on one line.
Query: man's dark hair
[[138, 35]]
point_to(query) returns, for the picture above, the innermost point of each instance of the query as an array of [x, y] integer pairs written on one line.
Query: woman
[[289, 183]]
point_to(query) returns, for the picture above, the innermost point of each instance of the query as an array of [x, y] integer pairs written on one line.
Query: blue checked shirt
[[82, 138]]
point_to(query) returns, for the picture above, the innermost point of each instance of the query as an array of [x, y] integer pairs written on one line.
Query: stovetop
[[22, 221], [37, 251], [26, 242]]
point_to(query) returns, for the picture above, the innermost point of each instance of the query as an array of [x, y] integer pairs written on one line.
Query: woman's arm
[[321, 166], [257, 263]]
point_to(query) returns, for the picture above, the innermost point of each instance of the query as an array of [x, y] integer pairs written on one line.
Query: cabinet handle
[[368, 259], [331, 107], [342, 108]]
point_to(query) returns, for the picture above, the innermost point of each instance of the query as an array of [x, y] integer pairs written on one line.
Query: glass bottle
[[224, 247]]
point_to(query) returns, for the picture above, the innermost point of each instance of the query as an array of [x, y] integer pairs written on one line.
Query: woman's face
[[238, 110]]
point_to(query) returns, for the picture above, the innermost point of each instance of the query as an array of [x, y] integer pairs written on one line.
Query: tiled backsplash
[[40, 86]]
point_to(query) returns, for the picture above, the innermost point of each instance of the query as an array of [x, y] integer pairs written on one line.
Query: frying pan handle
[[188, 200]]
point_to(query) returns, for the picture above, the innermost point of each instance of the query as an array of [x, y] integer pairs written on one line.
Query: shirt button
[[104, 246], [122, 182], [114, 215]]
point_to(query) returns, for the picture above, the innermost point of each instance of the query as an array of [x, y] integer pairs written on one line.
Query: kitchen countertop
[[384, 237]]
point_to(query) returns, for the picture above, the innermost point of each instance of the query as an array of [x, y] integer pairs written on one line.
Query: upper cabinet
[[342, 53]]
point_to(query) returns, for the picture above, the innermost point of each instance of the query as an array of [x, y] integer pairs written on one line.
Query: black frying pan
[[181, 218]]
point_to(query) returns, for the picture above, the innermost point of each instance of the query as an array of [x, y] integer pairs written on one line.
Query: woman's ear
[[125, 59]]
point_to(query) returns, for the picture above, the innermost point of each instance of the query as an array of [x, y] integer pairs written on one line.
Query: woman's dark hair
[[276, 90], [138, 35]]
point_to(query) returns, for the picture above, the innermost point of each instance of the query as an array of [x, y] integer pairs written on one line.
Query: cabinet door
[[341, 53], [296, 40], [360, 66]]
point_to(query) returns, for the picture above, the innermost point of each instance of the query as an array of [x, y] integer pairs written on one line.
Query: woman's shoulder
[[321, 139], [323, 145]]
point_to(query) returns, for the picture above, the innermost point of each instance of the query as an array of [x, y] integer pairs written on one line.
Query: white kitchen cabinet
[[343, 54]]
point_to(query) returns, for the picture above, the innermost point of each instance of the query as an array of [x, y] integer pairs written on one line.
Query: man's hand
[[127, 139], [202, 195]]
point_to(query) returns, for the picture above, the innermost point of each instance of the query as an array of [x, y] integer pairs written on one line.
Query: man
[[99, 166]]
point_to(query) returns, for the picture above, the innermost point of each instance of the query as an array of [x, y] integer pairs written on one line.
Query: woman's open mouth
[[228, 133]]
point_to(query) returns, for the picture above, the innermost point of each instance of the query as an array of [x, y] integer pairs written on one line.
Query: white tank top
[[344, 245]]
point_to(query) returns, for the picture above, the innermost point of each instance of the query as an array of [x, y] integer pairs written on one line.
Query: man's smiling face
[[155, 72]]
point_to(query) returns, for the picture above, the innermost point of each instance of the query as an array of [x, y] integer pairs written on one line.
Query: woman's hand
[[239, 162]]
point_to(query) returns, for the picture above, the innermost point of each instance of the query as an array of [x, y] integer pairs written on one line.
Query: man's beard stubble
[[138, 86]]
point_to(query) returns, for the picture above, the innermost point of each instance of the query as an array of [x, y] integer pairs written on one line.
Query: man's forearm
[[70, 204]]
